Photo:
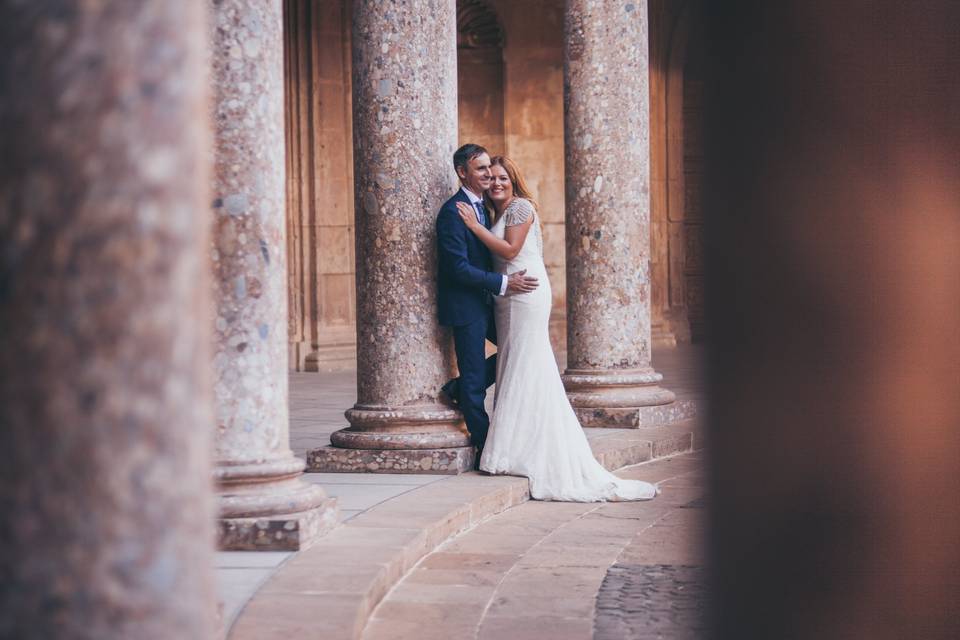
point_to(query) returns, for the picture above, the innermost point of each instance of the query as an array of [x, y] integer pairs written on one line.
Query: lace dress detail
[[533, 429], [517, 212]]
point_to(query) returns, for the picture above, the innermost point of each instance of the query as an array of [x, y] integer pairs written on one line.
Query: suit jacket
[[466, 278]]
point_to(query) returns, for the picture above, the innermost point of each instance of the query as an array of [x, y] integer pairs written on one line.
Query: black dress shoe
[[452, 391]]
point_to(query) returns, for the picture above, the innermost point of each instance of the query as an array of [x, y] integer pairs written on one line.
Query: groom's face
[[476, 175]]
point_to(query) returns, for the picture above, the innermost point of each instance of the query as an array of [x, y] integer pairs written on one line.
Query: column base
[[268, 506], [447, 461], [636, 417], [623, 399], [280, 532]]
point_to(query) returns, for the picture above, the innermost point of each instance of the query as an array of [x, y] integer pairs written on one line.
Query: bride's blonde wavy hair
[[520, 188]]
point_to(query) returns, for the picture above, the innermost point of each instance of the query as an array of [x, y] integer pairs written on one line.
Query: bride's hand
[[468, 215]]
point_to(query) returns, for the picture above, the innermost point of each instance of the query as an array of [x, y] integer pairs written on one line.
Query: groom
[[466, 285]]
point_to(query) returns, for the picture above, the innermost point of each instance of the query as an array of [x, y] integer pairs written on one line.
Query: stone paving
[[649, 602], [317, 404], [543, 570]]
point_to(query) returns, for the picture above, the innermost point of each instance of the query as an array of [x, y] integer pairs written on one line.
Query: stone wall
[[533, 124], [510, 68], [320, 231], [675, 271]]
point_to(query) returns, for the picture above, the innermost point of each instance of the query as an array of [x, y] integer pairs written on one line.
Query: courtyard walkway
[[429, 556]]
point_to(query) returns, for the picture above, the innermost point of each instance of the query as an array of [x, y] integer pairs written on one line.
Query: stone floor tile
[[673, 467], [492, 543], [236, 585], [428, 620], [444, 594], [363, 496], [379, 629], [584, 554], [678, 539], [372, 478], [444, 521], [366, 538], [282, 616], [471, 561], [518, 604], [550, 580], [465, 577], [250, 559], [535, 628], [674, 496], [317, 578]]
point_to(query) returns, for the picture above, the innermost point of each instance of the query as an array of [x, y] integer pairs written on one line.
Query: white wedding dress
[[533, 430]]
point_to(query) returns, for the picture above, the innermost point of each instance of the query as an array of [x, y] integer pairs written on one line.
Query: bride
[[534, 431]]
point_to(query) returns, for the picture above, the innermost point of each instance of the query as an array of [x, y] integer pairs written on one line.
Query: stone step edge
[[336, 607]]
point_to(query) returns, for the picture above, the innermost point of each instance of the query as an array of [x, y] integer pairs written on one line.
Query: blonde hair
[[520, 188]]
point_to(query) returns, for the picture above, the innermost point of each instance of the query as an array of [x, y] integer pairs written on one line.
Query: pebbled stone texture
[[405, 132], [635, 417], [105, 399], [291, 532], [445, 461], [608, 205], [254, 462], [651, 602]]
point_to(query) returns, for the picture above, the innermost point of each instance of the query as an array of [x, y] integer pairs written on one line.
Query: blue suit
[[466, 285]]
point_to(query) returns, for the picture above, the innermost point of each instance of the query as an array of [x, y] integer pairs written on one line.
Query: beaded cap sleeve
[[517, 212]]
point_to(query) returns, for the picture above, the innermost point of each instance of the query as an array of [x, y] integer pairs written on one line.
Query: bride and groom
[[493, 285]]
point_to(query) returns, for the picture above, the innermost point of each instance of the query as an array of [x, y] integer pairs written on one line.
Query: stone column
[[105, 395], [264, 503], [405, 133], [609, 378]]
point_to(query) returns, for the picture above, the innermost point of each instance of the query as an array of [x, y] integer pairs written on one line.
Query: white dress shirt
[[475, 200]]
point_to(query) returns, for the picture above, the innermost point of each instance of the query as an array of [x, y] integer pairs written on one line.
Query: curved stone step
[[538, 570], [330, 590]]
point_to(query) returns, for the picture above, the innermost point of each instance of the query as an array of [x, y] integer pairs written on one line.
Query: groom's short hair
[[466, 153]]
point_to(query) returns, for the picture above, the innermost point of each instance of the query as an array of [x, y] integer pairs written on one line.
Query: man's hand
[[469, 216], [520, 283]]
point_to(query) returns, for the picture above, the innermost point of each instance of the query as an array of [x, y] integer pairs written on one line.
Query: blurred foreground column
[[609, 377], [105, 400], [833, 205], [405, 132], [264, 502]]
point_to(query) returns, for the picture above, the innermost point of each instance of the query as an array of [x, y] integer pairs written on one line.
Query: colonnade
[[125, 370], [404, 107]]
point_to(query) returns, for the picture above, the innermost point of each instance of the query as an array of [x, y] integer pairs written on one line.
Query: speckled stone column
[[264, 503], [405, 132], [609, 378], [105, 395]]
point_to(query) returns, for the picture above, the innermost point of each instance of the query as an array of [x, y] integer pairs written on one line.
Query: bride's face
[[501, 189]]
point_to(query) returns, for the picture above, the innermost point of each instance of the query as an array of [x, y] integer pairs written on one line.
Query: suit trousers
[[477, 373]]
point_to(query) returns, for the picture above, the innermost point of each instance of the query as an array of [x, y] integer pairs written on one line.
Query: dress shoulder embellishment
[[518, 212]]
